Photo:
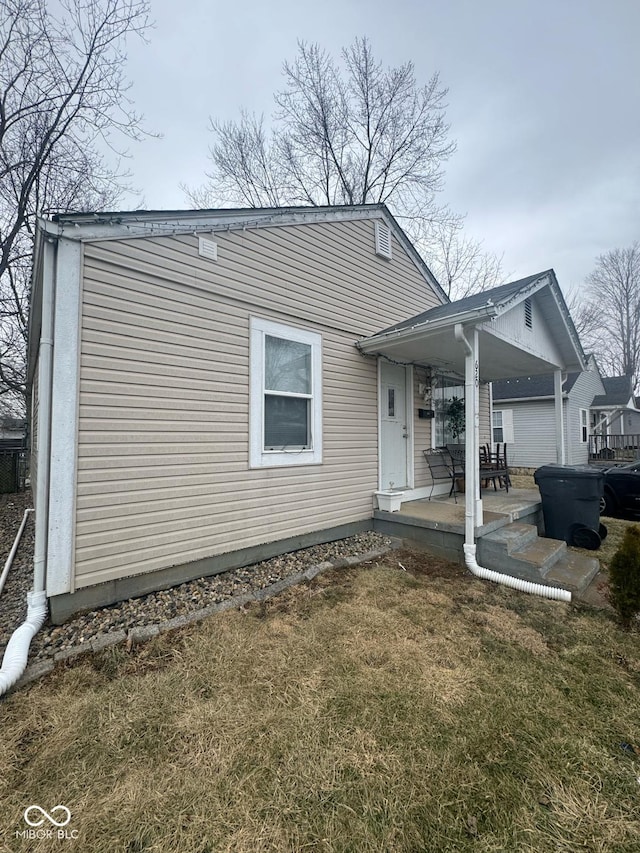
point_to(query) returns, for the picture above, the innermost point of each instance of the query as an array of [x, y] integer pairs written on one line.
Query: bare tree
[[611, 300], [585, 315], [63, 98], [460, 264], [354, 134]]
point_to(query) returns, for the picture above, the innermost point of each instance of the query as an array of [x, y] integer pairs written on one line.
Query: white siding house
[[527, 403]]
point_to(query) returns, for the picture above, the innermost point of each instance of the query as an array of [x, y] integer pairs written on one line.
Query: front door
[[393, 423]]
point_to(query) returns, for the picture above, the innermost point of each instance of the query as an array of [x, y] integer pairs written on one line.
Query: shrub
[[624, 576]]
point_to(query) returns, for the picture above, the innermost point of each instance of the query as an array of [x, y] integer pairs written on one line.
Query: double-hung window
[[502, 426], [584, 429], [498, 430], [286, 395]]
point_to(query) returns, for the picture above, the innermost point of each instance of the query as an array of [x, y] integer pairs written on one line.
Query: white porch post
[[557, 392], [472, 501]]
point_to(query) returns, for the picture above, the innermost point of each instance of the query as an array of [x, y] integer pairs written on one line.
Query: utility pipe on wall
[[472, 484]]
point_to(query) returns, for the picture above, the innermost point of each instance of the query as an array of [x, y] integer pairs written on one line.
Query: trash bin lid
[[567, 472]]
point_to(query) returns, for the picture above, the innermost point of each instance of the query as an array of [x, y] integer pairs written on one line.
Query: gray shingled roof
[[495, 296], [618, 391], [530, 386]]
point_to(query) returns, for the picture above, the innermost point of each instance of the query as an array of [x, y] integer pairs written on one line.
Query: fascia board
[[554, 287], [466, 318]]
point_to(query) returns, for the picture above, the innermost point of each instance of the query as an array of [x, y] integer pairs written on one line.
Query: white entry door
[[393, 422]]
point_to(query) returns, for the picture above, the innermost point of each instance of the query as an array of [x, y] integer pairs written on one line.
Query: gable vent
[[528, 315], [383, 240], [207, 249]]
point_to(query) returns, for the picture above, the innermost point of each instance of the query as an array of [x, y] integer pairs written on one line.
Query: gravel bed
[[156, 607]]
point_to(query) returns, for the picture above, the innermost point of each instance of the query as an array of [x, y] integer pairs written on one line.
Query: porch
[[509, 540], [614, 449]]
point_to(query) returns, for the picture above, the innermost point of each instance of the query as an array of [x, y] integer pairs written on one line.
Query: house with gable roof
[[213, 388]]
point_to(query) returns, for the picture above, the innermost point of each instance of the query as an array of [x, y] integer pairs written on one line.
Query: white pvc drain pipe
[[555, 593], [15, 657], [12, 553]]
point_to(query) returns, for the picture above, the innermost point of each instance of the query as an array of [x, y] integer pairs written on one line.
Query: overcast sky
[[544, 104]]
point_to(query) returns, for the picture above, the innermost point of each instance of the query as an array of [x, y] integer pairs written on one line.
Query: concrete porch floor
[[499, 508]]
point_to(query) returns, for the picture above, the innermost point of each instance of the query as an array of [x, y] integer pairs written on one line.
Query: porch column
[[557, 392], [472, 502]]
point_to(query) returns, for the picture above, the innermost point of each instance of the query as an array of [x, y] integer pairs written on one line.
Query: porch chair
[[493, 467], [488, 467], [441, 468], [503, 465]]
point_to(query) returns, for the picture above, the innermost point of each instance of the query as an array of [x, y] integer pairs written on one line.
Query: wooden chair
[[494, 468], [503, 465], [489, 472]]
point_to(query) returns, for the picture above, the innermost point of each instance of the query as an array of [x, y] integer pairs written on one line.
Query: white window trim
[[506, 426], [584, 426], [258, 456], [495, 426]]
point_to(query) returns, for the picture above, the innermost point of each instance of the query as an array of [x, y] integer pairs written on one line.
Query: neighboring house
[[523, 414], [211, 388], [614, 412]]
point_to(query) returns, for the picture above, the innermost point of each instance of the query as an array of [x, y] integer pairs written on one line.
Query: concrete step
[[573, 571], [510, 538], [541, 553], [516, 549]]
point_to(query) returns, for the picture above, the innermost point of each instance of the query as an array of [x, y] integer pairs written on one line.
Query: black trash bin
[[571, 503]]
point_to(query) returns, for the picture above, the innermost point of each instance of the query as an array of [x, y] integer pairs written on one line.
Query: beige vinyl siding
[[326, 273], [484, 413], [422, 433], [163, 445]]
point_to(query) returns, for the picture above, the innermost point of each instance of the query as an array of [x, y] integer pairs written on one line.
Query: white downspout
[[16, 654], [471, 465]]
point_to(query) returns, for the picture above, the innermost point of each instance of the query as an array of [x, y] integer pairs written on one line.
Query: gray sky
[[544, 104]]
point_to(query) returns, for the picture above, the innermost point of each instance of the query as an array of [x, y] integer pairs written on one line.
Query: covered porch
[[519, 329]]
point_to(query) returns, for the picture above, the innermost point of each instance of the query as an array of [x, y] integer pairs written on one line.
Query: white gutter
[[409, 333], [16, 654], [473, 504]]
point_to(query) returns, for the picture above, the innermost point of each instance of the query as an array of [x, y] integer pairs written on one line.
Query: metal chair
[[441, 468]]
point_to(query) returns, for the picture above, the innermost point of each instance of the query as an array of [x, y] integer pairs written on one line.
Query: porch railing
[[614, 448]]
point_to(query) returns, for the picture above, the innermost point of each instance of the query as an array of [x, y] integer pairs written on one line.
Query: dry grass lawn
[[378, 709]]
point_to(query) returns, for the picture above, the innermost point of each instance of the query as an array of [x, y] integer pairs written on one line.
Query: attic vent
[[207, 249], [528, 316], [383, 240]]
